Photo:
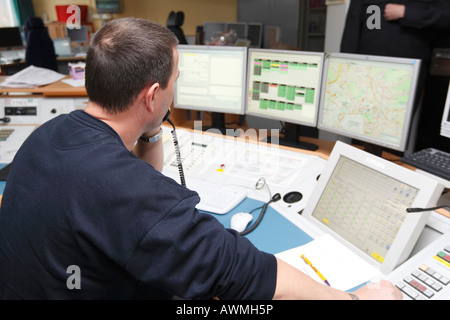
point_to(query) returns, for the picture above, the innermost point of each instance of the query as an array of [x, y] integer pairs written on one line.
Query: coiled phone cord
[[177, 153]]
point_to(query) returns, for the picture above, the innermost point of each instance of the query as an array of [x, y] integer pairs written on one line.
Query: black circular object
[[292, 197]]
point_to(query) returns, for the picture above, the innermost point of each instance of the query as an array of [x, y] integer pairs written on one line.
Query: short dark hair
[[124, 57]]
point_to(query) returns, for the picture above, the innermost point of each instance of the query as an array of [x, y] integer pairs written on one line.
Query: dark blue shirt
[[77, 197]]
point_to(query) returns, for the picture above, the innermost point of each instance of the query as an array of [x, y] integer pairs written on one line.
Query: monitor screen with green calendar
[[284, 85]]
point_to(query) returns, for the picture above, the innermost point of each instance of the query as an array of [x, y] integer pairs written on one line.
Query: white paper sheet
[[32, 76], [342, 268], [74, 83]]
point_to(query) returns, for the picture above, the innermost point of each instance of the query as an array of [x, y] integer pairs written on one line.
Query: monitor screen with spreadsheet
[[212, 78], [369, 98], [284, 85], [361, 199], [445, 124]]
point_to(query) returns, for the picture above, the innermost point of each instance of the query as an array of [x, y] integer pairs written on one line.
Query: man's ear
[[150, 96]]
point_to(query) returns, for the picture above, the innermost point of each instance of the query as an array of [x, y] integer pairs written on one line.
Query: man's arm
[[151, 152], [420, 15], [294, 284]]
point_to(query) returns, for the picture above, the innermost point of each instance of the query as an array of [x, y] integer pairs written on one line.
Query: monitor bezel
[[241, 110], [290, 52], [410, 107], [445, 123], [260, 27], [427, 196], [18, 39]]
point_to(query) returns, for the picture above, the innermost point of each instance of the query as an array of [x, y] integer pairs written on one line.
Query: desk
[[11, 67], [32, 107], [56, 89]]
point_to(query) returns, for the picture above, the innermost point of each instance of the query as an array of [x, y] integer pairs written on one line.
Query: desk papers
[[343, 269], [74, 83], [32, 77]]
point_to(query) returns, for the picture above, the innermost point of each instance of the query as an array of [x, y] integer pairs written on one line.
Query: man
[[404, 38], [80, 202]]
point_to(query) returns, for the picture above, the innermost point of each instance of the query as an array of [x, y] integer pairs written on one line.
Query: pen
[[315, 270]]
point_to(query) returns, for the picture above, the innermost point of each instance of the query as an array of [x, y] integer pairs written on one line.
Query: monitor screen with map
[[369, 98]]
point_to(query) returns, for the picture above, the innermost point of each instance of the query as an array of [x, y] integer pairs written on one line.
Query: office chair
[[174, 23], [39, 51]]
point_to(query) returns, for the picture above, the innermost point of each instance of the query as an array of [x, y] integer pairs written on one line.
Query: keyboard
[[218, 199], [430, 160], [426, 276]]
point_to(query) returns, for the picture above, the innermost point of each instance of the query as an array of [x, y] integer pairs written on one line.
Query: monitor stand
[[218, 124], [291, 134], [373, 149]]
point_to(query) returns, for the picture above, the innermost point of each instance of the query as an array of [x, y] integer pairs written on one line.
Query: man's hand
[[383, 290], [394, 11]]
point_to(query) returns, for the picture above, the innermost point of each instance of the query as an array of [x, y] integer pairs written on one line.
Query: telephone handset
[[177, 148]]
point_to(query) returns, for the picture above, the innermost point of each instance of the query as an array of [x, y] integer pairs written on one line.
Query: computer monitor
[[254, 34], [241, 29], [211, 31], [78, 35], [62, 47], [445, 124], [10, 37], [284, 85], [109, 6], [212, 78], [369, 98], [272, 36]]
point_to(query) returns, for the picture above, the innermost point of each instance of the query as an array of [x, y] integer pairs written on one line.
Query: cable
[[261, 183], [177, 153], [426, 209], [275, 198]]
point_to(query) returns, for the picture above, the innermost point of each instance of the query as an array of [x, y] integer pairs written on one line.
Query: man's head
[[126, 56]]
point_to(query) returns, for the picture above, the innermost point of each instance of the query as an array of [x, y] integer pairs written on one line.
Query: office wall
[[196, 11], [335, 24]]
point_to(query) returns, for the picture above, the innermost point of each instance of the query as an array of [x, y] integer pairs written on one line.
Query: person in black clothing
[[435, 19], [85, 193], [403, 38]]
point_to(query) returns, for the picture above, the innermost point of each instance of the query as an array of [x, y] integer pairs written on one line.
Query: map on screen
[[368, 99]]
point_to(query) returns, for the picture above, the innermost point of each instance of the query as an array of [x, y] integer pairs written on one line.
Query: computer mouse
[[240, 221]]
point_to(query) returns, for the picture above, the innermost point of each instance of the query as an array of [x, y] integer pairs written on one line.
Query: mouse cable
[[275, 198], [426, 209]]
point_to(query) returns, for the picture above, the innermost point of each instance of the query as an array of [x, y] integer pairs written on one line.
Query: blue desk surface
[[275, 233], [2, 183]]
